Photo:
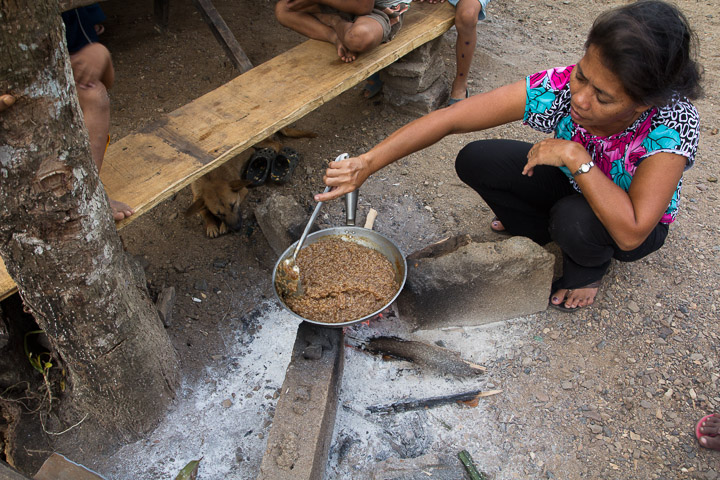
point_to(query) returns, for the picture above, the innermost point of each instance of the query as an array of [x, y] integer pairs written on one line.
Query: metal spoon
[[287, 278]]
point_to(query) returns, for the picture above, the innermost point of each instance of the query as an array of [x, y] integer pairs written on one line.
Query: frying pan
[[362, 236]]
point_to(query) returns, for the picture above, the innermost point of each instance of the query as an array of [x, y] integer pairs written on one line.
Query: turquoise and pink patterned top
[[674, 129]]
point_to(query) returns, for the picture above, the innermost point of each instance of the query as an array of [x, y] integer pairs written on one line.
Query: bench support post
[[224, 35]]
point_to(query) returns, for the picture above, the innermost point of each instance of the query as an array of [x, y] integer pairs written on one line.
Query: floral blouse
[[673, 129]]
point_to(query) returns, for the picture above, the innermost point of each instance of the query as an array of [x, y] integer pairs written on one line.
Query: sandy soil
[[613, 391]]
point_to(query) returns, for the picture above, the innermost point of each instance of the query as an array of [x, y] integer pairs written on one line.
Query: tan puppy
[[218, 194], [273, 141]]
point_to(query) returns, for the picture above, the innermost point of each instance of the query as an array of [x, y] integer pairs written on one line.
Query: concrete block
[[281, 220], [461, 282], [412, 64], [415, 84], [301, 433], [419, 103], [416, 71]]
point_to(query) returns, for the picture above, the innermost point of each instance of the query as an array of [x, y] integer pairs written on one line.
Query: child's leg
[[364, 34], [305, 22], [466, 18]]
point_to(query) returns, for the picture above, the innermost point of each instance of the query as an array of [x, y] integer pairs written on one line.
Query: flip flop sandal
[[373, 86], [396, 10], [283, 165], [258, 167], [453, 101], [561, 306], [699, 424]]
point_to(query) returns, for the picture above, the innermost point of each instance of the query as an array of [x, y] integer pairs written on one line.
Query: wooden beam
[[161, 9], [224, 35]]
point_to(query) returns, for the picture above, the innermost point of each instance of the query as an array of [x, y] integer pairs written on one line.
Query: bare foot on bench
[[345, 55], [340, 27], [120, 210]]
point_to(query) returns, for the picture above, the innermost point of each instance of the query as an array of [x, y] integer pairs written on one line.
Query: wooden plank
[[161, 10], [145, 168], [224, 35]]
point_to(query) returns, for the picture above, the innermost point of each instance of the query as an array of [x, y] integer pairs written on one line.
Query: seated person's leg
[[95, 105], [94, 73], [466, 19], [366, 33], [304, 22]]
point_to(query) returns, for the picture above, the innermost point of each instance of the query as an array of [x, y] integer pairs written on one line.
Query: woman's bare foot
[[710, 431], [572, 299], [459, 88], [120, 210]]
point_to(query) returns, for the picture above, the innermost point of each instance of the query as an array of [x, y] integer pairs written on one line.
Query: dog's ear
[[196, 207], [237, 185]]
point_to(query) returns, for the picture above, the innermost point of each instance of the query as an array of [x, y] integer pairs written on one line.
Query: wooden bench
[[147, 167]]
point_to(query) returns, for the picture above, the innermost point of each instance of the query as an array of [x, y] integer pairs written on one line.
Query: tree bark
[[60, 244]]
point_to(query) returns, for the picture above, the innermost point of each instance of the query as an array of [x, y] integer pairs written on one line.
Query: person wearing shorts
[[353, 27]]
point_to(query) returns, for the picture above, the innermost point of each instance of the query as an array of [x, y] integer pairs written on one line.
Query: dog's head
[[222, 201]]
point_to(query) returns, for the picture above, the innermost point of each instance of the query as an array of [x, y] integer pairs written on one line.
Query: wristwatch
[[584, 168]]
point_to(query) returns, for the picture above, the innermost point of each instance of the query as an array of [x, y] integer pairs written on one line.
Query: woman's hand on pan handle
[[556, 153], [344, 177]]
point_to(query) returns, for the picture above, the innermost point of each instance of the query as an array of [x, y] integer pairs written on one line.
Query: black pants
[[545, 207]]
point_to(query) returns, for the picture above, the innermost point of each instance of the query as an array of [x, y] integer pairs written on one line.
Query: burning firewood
[[419, 404], [419, 353]]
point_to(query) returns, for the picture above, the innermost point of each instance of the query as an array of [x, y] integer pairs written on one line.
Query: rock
[[596, 429], [633, 307], [282, 221], [201, 285], [165, 303], [542, 397], [462, 282]]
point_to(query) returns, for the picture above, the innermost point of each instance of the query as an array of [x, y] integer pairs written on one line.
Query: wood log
[[418, 404], [422, 354]]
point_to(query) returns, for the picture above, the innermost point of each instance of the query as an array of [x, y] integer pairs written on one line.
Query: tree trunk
[[60, 244]]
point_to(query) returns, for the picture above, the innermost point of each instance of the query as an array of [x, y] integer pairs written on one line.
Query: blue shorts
[[484, 3], [80, 26]]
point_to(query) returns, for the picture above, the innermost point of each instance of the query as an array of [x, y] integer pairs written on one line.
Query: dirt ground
[[613, 391]]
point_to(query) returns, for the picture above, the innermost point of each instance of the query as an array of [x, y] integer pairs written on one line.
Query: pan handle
[[350, 208]]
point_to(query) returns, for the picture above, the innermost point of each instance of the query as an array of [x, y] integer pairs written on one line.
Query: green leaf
[[189, 471]]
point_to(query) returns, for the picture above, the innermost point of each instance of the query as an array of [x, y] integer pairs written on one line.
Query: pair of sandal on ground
[[560, 297], [267, 164]]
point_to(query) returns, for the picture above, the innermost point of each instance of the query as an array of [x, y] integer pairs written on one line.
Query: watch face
[[584, 168]]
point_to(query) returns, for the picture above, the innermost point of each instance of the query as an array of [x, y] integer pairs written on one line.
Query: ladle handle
[[314, 215]]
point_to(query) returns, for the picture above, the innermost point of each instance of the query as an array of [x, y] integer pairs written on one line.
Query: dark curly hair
[[650, 46]]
